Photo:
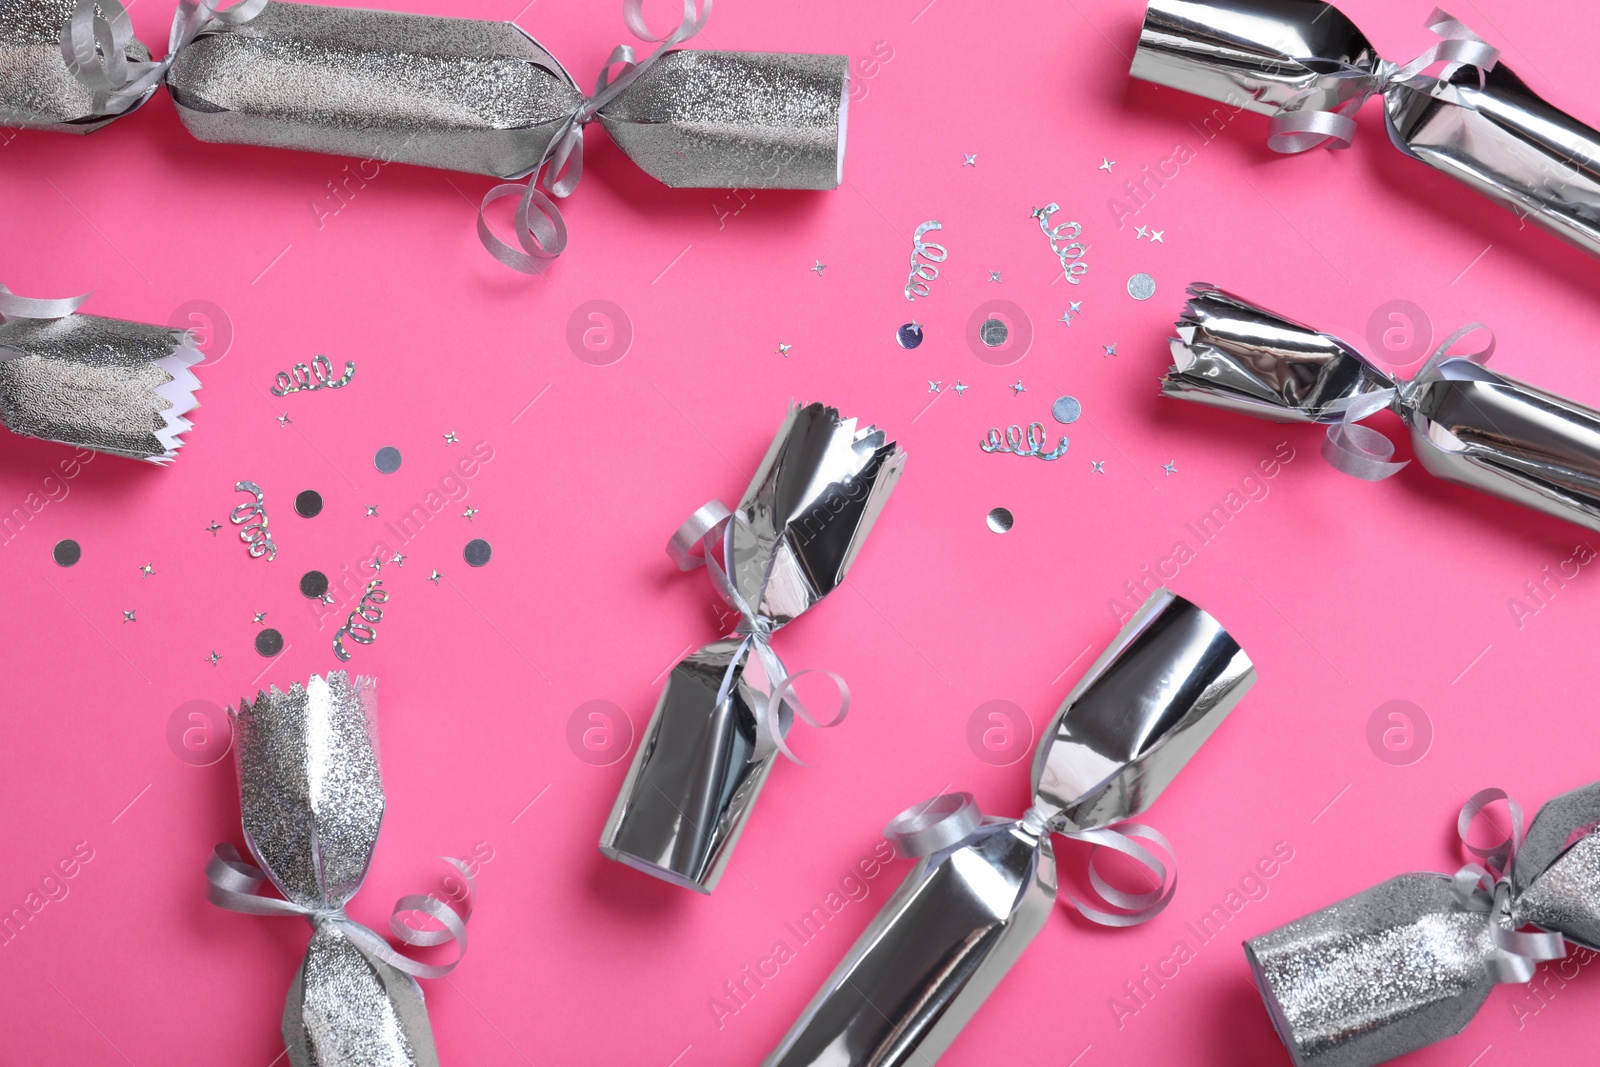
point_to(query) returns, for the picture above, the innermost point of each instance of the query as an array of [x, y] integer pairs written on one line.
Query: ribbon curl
[[1301, 126], [540, 229], [1486, 887], [94, 44], [711, 528]]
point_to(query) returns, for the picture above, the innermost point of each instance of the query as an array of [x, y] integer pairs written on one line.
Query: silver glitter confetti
[[269, 642], [252, 515], [993, 332], [1065, 243], [313, 584], [66, 553], [1013, 443], [1000, 520], [358, 627], [477, 552], [909, 335], [318, 374], [387, 459], [1066, 410], [925, 258], [1141, 287], [308, 504]]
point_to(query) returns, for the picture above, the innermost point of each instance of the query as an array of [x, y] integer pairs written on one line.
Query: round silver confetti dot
[[909, 335], [269, 642], [66, 553], [387, 460], [1141, 287], [1000, 520], [308, 503], [993, 333], [1066, 409], [313, 584], [477, 552]]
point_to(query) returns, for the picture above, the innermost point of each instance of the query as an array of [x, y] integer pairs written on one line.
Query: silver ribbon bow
[[1486, 887], [949, 819], [94, 40], [1365, 453], [711, 528], [1302, 125], [541, 231], [235, 884]]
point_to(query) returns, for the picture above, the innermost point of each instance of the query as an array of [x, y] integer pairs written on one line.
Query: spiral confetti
[[1070, 254], [252, 515], [925, 272], [369, 612], [1013, 442], [309, 377]]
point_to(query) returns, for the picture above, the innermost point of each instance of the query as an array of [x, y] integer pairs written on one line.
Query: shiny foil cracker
[[37, 90], [1404, 964], [979, 895], [797, 530], [485, 98], [311, 800], [123, 388], [1468, 424], [1500, 138]]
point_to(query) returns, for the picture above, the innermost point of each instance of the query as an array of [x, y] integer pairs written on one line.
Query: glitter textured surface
[[460, 94], [113, 386], [36, 89], [751, 120], [346, 1010], [1566, 897]]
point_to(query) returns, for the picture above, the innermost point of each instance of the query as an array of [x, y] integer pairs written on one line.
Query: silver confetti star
[[450, 437], [1018, 389], [1039, 213], [376, 563], [469, 513], [1155, 235], [1075, 308], [372, 509], [994, 276], [783, 349], [213, 657], [959, 388], [1140, 231], [326, 598], [1099, 465], [284, 420], [127, 616], [213, 528], [1170, 469], [148, 569], [933, 386], [1111, 350], [819, 268], [398, 559], [1106, 164], [971, 161], [434, 577], [260, 617], [1066, 317]]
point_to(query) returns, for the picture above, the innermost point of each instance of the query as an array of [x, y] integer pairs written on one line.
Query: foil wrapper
[[37, 89], [1405, 963], [1275, 57], [485, 98], [982, 892], [123, 388], [311, 800], [1467, 424], [794, 535]]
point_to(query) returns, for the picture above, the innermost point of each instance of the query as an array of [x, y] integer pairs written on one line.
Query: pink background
[[1347, 595]]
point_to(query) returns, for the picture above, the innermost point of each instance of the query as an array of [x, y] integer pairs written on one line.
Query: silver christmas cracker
[[1410, 961], [709, 747], [1467, 424], [311, 800], [38, 89], [119, 387], [1304, 63], [984, 887]]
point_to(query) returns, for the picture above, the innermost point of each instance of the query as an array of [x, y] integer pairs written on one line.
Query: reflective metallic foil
[[1469, 425], [37, 91], [1501, 139], [311, 798], [745, 120], [696, 773], [105, 384], [964, 915]]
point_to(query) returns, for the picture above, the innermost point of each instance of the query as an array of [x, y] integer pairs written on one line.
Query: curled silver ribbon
[[711, 528], [949, 819], [235, 884], [1070, 254], [95, 39], [1365, 453], [540, 229], [1013, 442], [1299, 127], [318, 374], [255, 533], [1486, 888], [925, 272], [370, 611], [13, 306]]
